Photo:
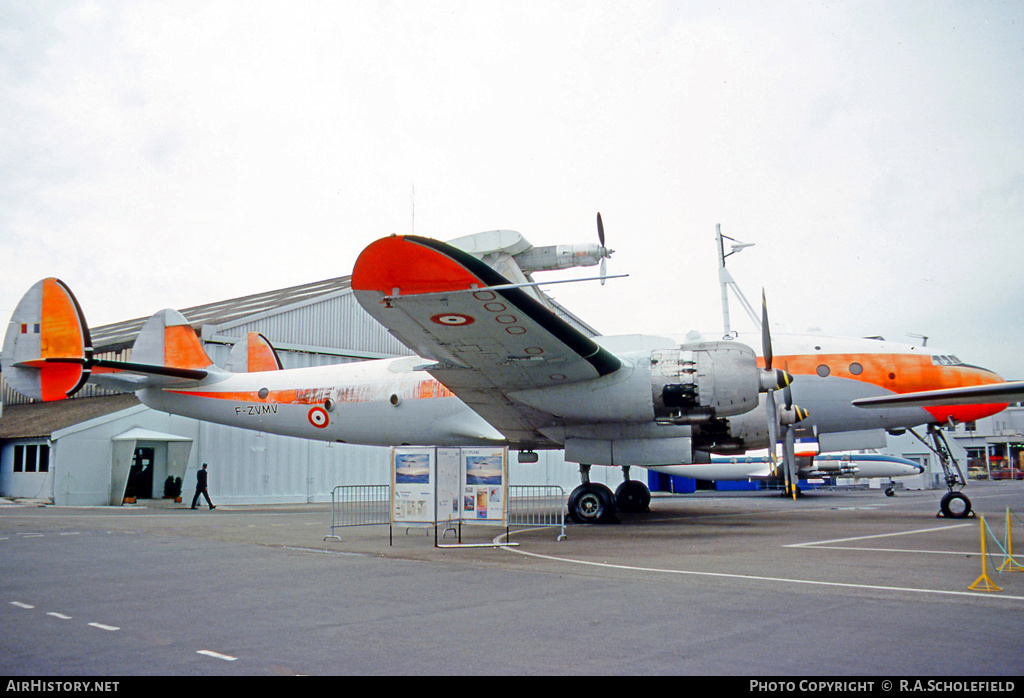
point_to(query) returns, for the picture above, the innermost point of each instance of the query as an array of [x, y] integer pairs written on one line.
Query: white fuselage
[[395, 401]]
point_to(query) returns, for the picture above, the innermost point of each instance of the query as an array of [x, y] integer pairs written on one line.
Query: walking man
[[201, 488]]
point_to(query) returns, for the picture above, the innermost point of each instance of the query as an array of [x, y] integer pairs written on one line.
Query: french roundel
[[453, 319], [318, 417]]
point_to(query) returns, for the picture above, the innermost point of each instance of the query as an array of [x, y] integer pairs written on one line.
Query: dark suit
[[201, 488]]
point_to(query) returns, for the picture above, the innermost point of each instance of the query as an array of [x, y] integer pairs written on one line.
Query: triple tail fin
[[47, 349], [253, 354], [167, 341], [48, 355]]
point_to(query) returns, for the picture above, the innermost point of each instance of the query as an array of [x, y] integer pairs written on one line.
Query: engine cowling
[[703, 381], [735, 434]]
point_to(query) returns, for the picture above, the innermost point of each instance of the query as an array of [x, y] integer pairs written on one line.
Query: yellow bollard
[[1009, 564], [983, 582]]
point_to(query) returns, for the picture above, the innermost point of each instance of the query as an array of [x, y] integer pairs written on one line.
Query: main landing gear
[[954, 504], [593, 502]]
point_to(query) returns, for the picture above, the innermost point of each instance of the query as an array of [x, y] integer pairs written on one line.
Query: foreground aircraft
[[496, 366]]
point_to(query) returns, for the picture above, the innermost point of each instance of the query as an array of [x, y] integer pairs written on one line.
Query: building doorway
[[140, 477]]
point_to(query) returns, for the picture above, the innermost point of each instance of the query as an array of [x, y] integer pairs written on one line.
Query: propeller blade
[[766, 334], [604, 270], [600, 229], [789, 459]]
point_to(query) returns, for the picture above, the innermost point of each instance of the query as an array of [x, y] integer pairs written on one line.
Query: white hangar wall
[[248, 467], [83, 460]]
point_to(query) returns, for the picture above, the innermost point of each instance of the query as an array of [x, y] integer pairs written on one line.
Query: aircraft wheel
[[955, 505], [632, 496], [592, 503]]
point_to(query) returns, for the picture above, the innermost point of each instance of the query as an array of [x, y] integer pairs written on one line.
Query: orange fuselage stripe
[[899, 373], [422, 390]]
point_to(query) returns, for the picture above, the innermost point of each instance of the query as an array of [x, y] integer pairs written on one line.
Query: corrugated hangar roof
[[40, 419], [120, 335]]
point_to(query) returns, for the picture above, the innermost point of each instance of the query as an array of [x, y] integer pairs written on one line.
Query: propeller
[[605, 253], [790, 414]]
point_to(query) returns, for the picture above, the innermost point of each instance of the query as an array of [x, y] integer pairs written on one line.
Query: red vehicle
[[1007, 474]]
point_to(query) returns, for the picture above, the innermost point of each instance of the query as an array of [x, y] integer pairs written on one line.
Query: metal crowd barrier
[[359, 505], [536, 506]]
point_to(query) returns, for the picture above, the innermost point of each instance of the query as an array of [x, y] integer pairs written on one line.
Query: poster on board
[[412, 485], [484, 484]]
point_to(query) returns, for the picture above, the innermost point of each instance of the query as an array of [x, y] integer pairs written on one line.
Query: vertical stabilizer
[[47, 346], [253, 354], [167, 339]]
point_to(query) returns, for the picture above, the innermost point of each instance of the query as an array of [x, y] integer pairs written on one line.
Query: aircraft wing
[[997, 393], [488, 336]]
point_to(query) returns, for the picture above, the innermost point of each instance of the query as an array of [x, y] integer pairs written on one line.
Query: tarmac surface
[[845, 583]]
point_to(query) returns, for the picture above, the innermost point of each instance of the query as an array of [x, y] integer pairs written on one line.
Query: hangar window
[[823, 370], [31, 458], [856, 369]]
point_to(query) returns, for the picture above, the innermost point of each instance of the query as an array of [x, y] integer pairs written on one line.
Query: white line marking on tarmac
[[827, 544], [19, 604], [217, 655], [759, 578], [58, 615], [108, 628]]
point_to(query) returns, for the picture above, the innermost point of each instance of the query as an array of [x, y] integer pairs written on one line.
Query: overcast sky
[[169, 154]]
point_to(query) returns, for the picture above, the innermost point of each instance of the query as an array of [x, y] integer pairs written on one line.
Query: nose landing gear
[[954, 504]]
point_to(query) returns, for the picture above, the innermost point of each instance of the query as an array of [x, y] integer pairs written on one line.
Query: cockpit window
[[946, 360]]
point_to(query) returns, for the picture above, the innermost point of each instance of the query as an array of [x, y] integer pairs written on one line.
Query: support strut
[[955, 504]]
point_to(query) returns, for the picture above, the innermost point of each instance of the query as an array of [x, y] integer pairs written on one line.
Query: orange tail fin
[[47, 347], [168, 340], [254, 353]]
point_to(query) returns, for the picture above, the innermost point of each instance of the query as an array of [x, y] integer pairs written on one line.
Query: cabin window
[[856, 369], [823, 370]]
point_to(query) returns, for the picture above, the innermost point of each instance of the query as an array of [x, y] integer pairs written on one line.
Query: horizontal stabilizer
[[47, 348]]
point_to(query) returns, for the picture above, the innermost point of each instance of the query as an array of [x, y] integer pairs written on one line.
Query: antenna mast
[[725, 280]]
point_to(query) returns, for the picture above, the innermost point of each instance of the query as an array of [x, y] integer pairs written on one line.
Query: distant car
[[1007, 474]]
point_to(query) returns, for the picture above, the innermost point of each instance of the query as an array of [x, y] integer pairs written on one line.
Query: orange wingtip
[[397, 265]]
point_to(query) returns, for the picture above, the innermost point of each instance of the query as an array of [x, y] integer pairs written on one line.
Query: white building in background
[[991, 448], [91, 449]]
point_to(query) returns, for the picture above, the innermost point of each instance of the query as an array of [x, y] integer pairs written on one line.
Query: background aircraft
[[496, 366], [839, 465]]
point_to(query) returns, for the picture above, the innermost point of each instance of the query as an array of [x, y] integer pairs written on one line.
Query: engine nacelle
[[703, 381], [554, 257], [736, 434]]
